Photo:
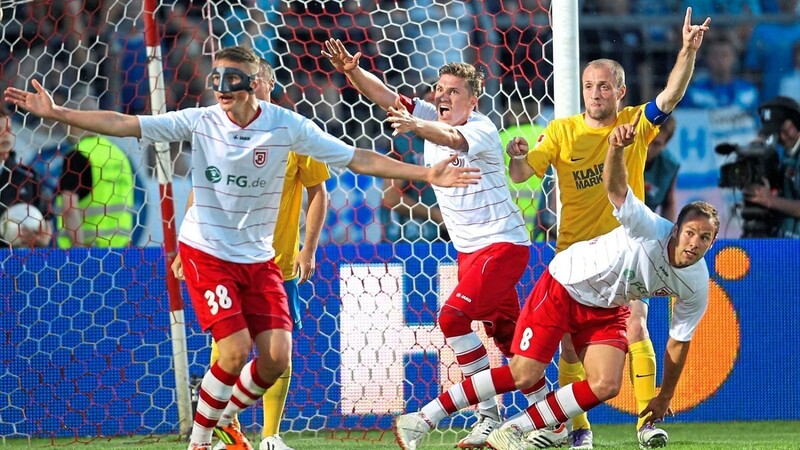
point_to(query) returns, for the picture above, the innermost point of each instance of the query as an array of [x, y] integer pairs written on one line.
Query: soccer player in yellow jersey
[[296, 264], [576, 147]]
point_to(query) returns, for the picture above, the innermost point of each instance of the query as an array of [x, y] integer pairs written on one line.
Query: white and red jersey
[[238, 173], [630, 263], [480, 214]]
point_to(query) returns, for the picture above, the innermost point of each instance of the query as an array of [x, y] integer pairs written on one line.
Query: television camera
[[758, 161]]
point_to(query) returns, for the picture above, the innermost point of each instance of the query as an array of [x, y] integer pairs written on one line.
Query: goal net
[[89, 347]]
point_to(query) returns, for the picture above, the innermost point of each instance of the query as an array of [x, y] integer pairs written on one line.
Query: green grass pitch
[[682, 436]]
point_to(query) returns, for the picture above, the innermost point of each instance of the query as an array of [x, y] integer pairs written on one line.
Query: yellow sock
[[274, 401], [214, 352], [642, 361], [572, 373]]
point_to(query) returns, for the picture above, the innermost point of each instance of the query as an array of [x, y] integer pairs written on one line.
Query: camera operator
[[781, 118]]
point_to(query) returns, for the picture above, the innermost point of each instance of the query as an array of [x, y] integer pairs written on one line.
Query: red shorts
[[228, 297], [487, 285], [550, 312]]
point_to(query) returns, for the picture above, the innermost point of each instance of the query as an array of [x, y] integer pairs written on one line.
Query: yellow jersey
[[578, 153], [301, 171]]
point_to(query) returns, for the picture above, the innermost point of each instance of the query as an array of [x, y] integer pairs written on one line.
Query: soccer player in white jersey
[[297, 265], [575, 147], [484, 224], [239, 148], [585, 293]]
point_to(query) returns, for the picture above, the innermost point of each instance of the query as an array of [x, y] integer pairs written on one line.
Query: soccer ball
[[20, 224]]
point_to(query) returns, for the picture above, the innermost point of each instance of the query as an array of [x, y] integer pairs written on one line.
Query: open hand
[[446, 174], [760, 194], [400, 119], [304, 265], [39, 103], [341, 59], [656, 410]]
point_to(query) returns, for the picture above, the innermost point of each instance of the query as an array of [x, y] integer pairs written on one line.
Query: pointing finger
[[637, 118]]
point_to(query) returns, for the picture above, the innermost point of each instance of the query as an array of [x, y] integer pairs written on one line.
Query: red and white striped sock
[[248, 389], [557, 407], [481, 386], [536, 392], [472, 358], [215, 392]]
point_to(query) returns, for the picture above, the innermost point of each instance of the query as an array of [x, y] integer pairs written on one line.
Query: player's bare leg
[[604, 365], [570, 370], [217, 386], [274, 350]]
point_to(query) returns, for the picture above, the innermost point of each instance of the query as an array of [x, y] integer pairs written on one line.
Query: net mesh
[[87, 349]]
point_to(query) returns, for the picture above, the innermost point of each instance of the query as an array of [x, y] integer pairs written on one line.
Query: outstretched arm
[[684, 66], [443, 173], [367, 84], [615, 175], [40, 103], [674, 360]]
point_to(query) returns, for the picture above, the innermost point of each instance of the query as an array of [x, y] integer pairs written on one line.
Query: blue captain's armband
[[654, 114]]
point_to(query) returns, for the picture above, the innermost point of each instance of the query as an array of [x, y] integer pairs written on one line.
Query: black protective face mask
[[226, 74]]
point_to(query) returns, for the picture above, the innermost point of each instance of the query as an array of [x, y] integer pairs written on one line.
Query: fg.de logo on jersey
[[260, 156]]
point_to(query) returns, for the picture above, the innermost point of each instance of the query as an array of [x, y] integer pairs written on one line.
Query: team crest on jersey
[[459, 162], [663, 292], [260, 156]]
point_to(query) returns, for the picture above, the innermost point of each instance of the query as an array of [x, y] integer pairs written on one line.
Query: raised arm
[[615, 175], [684, 66], [367, 84], [40, 103], [443, 173]]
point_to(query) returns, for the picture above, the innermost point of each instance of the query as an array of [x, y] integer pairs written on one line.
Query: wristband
[[520, 156]]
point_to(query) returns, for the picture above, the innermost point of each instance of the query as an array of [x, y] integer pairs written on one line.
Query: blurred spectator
[[522, 38], [127, 59], [769, 52], [56, 41], [719, 86], [781, 118], [186, 67], [661, 173], [618, 40], [20, 184], [790, 83], [440, 33], [254, 23], [96, 187], [712, 8]]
